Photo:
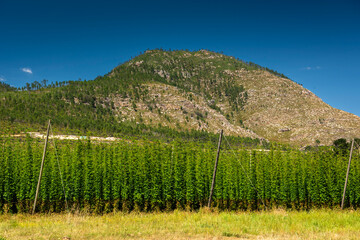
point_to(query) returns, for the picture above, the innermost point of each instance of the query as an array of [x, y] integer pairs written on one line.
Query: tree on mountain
[[4, 87], [341, 146]]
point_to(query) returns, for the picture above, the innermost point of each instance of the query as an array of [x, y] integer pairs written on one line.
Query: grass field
[[277, 224]]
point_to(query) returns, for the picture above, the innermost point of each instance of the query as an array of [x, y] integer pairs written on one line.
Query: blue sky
[[315, 43]]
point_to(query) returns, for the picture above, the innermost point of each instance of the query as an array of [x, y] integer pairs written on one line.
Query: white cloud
[[27, 70], [2, 79], [311, 68]]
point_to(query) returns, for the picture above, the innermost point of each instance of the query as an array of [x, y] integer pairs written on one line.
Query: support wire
[[257, 193], [57, 158]]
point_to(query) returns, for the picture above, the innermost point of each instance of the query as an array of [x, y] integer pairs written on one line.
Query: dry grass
[[278, 224]]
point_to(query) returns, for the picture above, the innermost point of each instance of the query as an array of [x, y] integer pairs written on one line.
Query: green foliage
[[341, 146], [6, 87], [148, 176]]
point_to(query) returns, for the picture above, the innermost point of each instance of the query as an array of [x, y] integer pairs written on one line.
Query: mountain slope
[[185, 91], [250, 97], [282, 110]]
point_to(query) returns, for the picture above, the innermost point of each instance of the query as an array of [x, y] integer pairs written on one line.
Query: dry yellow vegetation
[[276, 224]]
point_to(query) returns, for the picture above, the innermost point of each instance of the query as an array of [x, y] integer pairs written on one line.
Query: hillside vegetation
[[6, 87], [184, 94]]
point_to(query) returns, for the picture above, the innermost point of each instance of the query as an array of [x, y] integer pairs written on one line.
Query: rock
[[284, 130], [139, 63]]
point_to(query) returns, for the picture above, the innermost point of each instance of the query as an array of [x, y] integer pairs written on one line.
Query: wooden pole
[[215, 168], [41, 168], [347, 175]]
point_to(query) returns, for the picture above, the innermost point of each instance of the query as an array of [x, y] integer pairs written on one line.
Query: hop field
[[153, 176]]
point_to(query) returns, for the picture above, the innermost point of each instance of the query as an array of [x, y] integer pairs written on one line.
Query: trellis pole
[[347, 175], [41, 168], [215, 168]]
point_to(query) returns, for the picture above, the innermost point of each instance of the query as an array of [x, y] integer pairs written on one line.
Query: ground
[[276, 224]]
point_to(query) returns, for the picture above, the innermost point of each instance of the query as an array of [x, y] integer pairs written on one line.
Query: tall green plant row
[[150, 176]]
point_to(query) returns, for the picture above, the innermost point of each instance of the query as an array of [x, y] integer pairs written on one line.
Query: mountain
[[181, 91]]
